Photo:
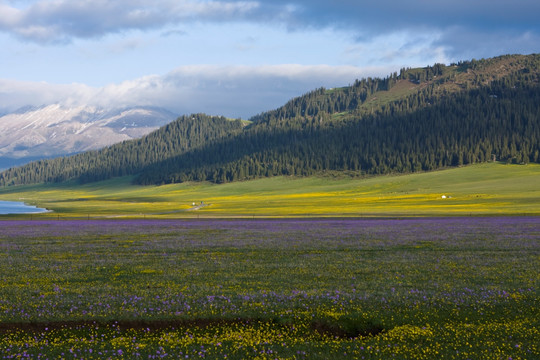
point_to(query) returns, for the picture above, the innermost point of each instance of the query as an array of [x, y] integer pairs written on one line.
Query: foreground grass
[[486, 189], [452, 288]]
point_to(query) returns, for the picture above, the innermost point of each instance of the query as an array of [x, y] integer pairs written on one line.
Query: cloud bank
[[63, 20], [459, 21], [233, 91]]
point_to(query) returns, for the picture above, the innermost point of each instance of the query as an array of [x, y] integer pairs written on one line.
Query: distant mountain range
[[54, 130], [418, 120]]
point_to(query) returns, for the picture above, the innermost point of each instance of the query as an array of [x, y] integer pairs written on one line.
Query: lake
[[15, 207]]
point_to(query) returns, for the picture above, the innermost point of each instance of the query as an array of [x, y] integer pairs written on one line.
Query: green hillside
[[484, 189], [420, 120]]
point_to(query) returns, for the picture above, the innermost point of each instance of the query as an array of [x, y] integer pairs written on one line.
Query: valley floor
[[485, 189]]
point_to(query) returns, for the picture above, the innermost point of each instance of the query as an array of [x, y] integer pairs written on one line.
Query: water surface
[[16, 207]]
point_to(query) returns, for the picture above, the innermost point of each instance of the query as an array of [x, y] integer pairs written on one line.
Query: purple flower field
[[298, 288], [444, 229]]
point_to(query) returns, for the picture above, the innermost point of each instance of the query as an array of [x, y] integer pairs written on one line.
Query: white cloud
[[235, 91], [15, 94], [62, 20]]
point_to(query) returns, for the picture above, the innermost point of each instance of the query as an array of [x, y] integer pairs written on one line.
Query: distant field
[[486, 189]]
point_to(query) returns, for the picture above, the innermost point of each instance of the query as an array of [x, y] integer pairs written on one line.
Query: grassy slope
[[485, 189], [453, 79]]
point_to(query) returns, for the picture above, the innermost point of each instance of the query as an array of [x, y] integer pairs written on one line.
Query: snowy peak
[[56, 130]]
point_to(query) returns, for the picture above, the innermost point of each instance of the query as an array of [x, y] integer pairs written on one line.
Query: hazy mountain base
[[6, 162]]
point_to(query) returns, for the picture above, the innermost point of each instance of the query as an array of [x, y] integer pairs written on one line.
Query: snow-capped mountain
[[56, 130]]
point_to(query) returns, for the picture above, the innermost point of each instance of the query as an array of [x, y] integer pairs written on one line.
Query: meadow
[[422, 288], [482, 189]]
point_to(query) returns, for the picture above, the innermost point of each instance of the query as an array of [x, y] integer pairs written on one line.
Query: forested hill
[[417, 120]]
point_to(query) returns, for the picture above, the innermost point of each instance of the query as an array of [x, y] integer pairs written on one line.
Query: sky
[[237, 58]]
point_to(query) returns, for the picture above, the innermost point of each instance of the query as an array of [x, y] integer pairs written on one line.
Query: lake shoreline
[[19, 208]]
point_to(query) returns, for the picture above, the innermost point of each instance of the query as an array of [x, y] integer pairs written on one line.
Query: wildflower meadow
[[411, 288]]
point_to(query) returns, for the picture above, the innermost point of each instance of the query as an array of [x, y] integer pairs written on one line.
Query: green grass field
[[485, 189]]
